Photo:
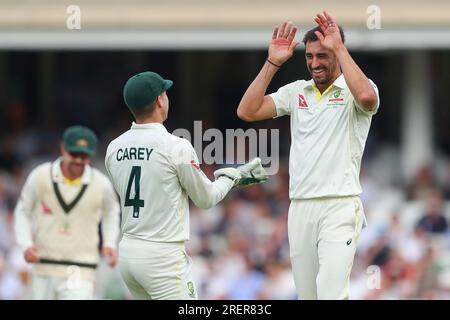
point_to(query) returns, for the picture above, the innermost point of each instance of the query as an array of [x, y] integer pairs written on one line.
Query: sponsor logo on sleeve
[[195, 164], [302, 101]]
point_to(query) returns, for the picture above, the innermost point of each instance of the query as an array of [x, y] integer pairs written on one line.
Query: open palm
[[283, 45], [331, 38]]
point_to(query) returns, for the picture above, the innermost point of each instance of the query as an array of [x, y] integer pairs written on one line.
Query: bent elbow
[[368, 102], [205, 204], [243, 115]]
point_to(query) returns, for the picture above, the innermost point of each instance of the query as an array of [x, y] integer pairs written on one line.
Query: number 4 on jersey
[[135, 202]]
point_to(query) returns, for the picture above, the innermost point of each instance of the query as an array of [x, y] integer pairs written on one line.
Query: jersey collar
[[339, 82], [152, 125], [58, 176]]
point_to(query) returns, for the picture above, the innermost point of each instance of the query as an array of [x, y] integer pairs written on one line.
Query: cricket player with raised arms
[[330, 120], [154, 173]]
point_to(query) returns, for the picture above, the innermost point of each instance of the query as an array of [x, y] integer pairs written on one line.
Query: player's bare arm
[[255, 105], [359, 85]]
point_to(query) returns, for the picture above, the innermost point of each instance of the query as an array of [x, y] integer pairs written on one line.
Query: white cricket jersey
[[328, 134], [66, 217], [154, 172]]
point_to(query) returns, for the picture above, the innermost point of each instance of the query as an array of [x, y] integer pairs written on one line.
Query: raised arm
[[357, 82], [255, 105]]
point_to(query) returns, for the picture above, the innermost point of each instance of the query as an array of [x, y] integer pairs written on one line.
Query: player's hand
[[31, 255], [244, 175], [110, 255], [283, 45], [331, 38]]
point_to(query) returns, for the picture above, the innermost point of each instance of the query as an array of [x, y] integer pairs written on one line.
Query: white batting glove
[[244, 175]]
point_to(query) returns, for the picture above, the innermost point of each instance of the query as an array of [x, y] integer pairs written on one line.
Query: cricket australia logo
[[336, 100], [191, 290]]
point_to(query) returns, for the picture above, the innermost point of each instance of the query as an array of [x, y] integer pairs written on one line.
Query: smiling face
[[322, 65]]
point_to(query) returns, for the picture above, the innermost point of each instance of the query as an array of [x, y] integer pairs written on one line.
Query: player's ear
[[160, 101]]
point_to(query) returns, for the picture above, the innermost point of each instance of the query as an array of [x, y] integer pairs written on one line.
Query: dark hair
[[311, 36], [144, 112]]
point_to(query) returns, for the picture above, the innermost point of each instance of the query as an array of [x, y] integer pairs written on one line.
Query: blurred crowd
[[240, 248]]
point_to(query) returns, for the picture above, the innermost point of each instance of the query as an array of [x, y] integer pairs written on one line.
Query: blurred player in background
[[154, 173], [330, 120], [68, 199]]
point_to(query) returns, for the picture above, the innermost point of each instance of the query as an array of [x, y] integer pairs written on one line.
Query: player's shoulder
[[45, 166], [97, 174], [300, 85], [302, 82], [117, 142], [39, 171], [297, 85], [178, 139], [179, 142], [118, 139], [179, 150]]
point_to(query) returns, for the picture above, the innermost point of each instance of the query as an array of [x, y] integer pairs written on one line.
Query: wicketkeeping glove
[[244, 175]]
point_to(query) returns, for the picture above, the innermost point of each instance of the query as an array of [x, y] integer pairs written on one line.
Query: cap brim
[[167, 84], [80, 150]]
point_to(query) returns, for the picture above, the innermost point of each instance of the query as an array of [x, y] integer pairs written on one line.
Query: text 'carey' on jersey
[[134, 154]]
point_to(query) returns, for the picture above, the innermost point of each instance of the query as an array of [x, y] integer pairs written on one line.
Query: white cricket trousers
[[323, 236], [156, 270], [58, 288]]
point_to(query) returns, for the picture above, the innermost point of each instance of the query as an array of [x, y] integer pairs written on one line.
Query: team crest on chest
[[65, 228], [336, 99]]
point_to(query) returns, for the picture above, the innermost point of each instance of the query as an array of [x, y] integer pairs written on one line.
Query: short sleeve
[[369, 113], [283, 100]]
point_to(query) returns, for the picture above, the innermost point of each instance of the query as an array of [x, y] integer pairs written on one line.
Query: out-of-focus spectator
[[422, 184], [447, 183], [248, 285], [278, 284], [434, 220]]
